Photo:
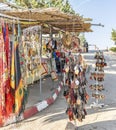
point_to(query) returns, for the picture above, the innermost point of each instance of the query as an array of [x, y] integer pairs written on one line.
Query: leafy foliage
[[113, 49], [63, 5], [113, 35]]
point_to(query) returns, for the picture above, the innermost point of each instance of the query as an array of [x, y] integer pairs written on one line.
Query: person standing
[[86, 46]]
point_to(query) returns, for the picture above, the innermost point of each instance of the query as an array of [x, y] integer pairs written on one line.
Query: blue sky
[[101, 11]]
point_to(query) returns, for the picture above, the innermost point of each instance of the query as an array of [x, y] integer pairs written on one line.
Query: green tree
[[63, 5], [113, 35], [27, 3]]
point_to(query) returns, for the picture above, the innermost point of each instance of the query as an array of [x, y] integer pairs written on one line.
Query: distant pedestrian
[[86, 46]]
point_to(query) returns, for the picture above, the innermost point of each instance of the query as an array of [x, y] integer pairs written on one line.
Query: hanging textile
[[22, 68], [3, 76], [12, 72], [9, 97], [66, 40], [19, 93], [16, 80], [31, 46]]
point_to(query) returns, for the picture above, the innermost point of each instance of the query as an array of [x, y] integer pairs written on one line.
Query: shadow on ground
[[102, 125]]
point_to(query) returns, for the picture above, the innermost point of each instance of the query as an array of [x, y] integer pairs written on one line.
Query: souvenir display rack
[[98, 76], [30, 48], [75, 88]]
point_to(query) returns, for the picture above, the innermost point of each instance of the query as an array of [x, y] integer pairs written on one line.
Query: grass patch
[[113, 49]]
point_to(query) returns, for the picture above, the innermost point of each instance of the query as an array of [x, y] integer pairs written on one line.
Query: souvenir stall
[[19, 66], [21, 54], [57, 20], [98, 76]]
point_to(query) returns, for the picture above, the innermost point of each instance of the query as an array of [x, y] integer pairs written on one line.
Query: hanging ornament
[[66, 40]]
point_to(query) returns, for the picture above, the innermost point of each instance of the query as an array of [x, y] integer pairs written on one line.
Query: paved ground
[[54, 117], [47, 89]]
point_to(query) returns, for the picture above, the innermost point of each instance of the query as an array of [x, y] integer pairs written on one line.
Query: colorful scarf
[[3, 76], [9, 97], [17, 82]]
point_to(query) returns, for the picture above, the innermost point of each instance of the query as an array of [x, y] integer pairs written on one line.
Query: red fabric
[[7, 88], [9, 98], [73, 84], [75, 45], [58, 53], [3, 76], [86, 96], [7, 45], [70, 114], [67, 60], [66, 96], [63, 71], [73, 100], [9, 103]]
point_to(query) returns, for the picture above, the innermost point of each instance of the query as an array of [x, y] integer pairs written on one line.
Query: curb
[[36, 108]]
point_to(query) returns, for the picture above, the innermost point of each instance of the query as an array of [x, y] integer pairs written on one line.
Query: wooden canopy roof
[[52, 17]]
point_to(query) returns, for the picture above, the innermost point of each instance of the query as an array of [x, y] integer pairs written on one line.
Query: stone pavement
[[47, 89]]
